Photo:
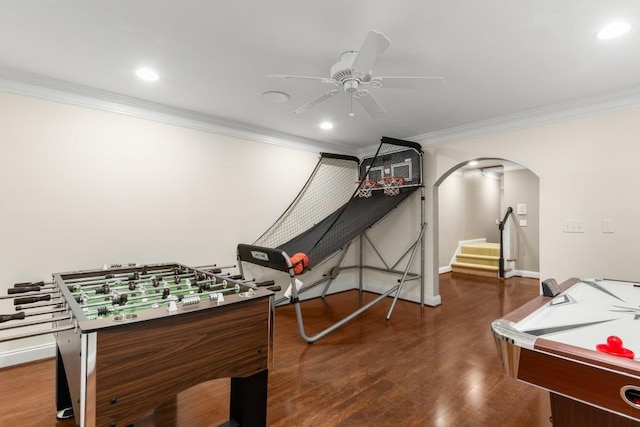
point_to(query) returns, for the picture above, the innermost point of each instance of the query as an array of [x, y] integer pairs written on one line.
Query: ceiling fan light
[[613, 30]]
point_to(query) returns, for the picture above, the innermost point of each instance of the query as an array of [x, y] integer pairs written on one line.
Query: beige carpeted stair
[[480, 259]]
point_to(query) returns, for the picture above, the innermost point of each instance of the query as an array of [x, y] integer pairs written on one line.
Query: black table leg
[[248, 406], [64, 407]]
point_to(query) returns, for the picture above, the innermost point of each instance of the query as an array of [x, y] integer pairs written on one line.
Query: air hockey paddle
[[615, 347]]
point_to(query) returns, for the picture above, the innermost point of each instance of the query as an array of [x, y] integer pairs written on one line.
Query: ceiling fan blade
[[373, 47], [407, 82], [370, 104], [311, 104], [285, 76]]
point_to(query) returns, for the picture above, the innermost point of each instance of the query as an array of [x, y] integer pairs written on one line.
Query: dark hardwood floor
[[426, 367]]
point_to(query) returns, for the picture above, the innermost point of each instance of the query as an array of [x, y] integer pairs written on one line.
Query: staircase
[[479, 259]]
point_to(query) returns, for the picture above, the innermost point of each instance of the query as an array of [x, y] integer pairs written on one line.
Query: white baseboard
[[28, 354], [408, 294], [433, 301], [445, 269], [525, 273], [508, 274], [430, 301]]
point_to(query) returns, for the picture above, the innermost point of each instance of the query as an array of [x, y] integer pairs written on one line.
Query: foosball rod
[[165, 271], [55, 303], [160, 302], [125, 287], [214, 267], [99, 282], [149, 281], [238, 280], [37, 333], [30, 286], [161, 273], [33, 322], [40, 283], [32, 299], [156, 294], [22, 314], [28, 294]]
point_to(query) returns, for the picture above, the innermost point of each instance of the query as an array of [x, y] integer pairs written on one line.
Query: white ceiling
[[499, 58]]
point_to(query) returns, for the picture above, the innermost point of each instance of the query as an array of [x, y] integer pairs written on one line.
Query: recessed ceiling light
[[147, 74], [326, 125], [276, 97], [613, 30]]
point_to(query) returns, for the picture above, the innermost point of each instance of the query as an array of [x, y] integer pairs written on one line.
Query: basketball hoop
[[392, 185], [365, 187]]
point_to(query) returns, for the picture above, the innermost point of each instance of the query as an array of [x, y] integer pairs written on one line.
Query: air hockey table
[[581, 342]]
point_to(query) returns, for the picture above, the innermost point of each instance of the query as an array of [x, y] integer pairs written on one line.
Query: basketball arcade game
[[130, 338], [328, 216]]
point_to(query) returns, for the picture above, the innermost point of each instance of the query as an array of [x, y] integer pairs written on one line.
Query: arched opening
[[478, 193]]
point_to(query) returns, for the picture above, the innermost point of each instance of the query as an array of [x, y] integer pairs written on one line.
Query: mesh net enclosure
[[328, 188], [331, 209]]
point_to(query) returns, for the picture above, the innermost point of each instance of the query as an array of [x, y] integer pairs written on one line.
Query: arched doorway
[[513, 185]]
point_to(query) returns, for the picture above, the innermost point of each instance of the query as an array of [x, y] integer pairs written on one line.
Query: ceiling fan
[[353, 73]]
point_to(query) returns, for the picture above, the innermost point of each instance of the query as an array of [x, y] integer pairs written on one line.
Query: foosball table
[[130, 338]]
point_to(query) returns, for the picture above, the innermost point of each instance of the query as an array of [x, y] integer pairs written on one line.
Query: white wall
[[81, 187], [468, 209], [393, 236], [588, 170], [453, 214], [483, 206], [522, 187]]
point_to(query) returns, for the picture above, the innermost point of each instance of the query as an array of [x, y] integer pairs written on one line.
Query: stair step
[[489, 249], [474, 256], [476, 266], [475, 269], [478, 259]]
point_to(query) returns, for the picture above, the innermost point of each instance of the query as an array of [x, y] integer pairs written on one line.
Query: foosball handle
[[265, 283], [7, 317], [274, 288], [22, 289], [30, 300], [23, 284]]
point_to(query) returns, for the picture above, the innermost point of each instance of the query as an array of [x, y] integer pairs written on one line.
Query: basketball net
[[366, 187], [392, 185]]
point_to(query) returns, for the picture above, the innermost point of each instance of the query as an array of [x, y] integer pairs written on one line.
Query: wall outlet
[[573, 226]]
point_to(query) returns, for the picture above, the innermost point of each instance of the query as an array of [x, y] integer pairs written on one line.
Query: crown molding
[[23, 83], [584, 107]]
